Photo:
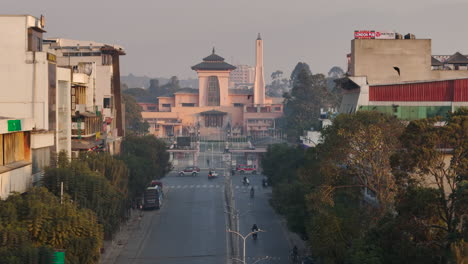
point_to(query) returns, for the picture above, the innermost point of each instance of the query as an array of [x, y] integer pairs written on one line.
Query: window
[[34, 40], [151, 108], [107, 103], [188, 104], [166, 105], [277, 109], [238, 105], [213, 91], [213, 121], [106, 59], [14, 147]]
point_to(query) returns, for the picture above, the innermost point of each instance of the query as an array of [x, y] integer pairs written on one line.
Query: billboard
[[385, 35], [372, 34], [364, 34]]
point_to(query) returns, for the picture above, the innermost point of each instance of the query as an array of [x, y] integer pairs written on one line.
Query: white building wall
[[63, 138], [17, 180], [23, 74]]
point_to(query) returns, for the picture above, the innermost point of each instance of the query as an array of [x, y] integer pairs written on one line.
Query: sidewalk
[[112, 249]]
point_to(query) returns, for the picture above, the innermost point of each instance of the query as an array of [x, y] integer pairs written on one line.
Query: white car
[[212, 174]]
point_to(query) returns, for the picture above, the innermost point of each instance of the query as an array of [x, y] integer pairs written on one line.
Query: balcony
[[81, 79]]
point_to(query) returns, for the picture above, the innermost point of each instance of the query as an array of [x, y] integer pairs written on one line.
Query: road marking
[[178, 186], [204, 186], [198, 186], [191, 186], [211, 186]]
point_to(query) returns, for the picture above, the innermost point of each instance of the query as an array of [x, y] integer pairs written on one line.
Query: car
[[242, 169], [212, 174], [191, 170]]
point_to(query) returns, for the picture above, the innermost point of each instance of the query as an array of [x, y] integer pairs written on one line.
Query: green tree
[[300, 66], [154, 88], [146, 158], [435, 160], [90, 189], [302, 105], [278, 85], [133, 120], [35, 222]]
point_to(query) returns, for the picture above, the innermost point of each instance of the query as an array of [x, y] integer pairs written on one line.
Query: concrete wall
[[376, 59], [63, 138], [23, 73], [186, 98], [18, 180]]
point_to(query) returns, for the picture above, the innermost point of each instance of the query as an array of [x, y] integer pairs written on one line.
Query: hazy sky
[[165, 38]]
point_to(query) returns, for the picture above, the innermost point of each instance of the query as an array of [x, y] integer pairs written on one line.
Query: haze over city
[[165, 38], [247, 131]]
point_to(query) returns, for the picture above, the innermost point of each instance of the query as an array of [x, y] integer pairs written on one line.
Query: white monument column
[[259, 85]]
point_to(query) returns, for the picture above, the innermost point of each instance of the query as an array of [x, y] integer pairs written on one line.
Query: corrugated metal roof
[[435, 91]]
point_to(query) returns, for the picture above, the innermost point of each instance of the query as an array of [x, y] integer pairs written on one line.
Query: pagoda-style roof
[[435, 62], [213, 112], [457, 58], [213, 62]]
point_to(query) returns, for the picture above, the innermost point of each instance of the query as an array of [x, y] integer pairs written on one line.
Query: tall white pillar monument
[[259, 85]]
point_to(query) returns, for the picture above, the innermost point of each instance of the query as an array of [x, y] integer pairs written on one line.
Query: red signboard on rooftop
[[364, 34]]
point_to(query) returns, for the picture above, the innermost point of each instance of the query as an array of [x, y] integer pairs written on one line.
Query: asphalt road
[[191, 225], [273, 242]]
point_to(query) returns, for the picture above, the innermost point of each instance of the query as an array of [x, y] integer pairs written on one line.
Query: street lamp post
[[244, 238]]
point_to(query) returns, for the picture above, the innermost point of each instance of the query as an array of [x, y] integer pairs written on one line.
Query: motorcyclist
[[254, 228], [245, 181], [295, 253]]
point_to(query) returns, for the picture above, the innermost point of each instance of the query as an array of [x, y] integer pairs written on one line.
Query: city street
[[273, 242], [191, 225]]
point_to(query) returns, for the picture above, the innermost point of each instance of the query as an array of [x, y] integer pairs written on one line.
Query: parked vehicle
[[212, 174], [152, 197], [192, 170], [242, 169]]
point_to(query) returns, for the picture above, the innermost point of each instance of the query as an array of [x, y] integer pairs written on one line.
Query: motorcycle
[[254, 236], [246, 182]]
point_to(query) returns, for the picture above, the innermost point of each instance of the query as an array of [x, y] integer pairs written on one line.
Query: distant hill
[[133, 81]]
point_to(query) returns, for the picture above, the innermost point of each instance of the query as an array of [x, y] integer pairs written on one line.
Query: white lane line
[[191, 186], [204, 186], [211, 186], [178, 186], [185, 186], [198, 186]]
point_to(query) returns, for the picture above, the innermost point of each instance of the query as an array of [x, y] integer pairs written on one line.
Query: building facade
[[34, 103], [402, 78], [215, 110], [242, 77], [96, 107]]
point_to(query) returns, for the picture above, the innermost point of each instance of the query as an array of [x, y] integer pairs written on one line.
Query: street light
[[244, 238]]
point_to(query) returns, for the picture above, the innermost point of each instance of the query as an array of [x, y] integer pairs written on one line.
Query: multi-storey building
[[242, 77], [400, 77], [34, 103], [97, 118], [214, 109]]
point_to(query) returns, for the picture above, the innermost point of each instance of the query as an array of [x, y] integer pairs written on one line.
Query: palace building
[[214, 110]]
